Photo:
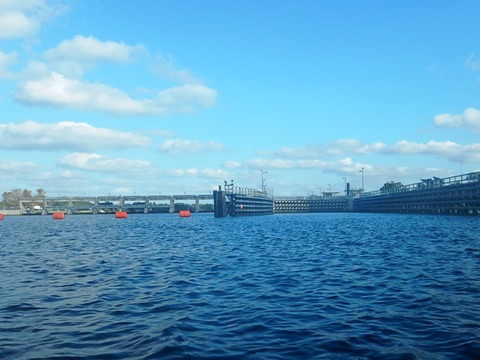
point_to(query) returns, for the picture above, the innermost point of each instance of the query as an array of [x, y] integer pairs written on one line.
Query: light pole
[[345, 187], [363, 187], [263, 179]]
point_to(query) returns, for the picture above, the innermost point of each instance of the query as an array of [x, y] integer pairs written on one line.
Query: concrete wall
[[11, 212]]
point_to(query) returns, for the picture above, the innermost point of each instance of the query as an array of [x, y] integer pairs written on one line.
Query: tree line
[[12, 197]]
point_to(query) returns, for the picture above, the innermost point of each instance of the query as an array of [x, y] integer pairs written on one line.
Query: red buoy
[[121, 214], [184, 213], [1, 216], [59, 215]]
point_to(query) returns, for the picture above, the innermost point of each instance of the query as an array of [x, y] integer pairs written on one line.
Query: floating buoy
[[184, 213], [121, 214], [1, 216], [59, 215]]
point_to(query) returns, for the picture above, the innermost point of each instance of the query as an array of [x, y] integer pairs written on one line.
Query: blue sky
[[176, 96]]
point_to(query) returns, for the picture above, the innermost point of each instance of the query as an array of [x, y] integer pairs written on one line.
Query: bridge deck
[[100, 204]]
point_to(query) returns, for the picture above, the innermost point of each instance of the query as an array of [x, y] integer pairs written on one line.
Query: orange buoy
[[1, 216], [59, 215], [184, 213], [121, 214]]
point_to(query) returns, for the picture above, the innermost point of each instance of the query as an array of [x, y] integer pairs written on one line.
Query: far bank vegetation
[[12, 198]]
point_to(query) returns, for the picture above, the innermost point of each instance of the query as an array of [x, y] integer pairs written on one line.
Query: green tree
[[12, 197], [40, 193], [391, 187]]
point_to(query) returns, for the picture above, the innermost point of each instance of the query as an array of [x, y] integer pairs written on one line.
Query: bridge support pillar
[[121, 203], [197, 204], [172, 205]]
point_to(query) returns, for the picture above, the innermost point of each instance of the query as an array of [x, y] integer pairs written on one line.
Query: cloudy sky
[[176, 96]]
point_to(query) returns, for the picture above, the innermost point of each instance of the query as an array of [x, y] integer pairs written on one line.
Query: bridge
[[108, 204]]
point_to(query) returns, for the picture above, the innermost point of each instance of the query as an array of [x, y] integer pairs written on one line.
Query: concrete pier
[[240, 201]]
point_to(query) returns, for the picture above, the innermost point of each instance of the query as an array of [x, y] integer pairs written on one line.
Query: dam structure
[[240, 201], [326, 203], [454, 195]]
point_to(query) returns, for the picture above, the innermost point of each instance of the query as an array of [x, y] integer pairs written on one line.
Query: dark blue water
[[302, 286]]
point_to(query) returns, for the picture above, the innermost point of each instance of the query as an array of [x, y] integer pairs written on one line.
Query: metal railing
[[232, 189], [425, 184]]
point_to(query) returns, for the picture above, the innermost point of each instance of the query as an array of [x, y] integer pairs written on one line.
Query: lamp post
[[345, 187], [363, 187], [263, 179]]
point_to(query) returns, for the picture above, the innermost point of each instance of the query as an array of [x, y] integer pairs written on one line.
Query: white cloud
[[472, 63], [76, 55], [443, 149], [68, 135], [232, 164], [279, 163], [10, 170], [165, 68], [308, 157], [203, 173], [57, 81], [101, 163], [469, 118], [430, 147], [184, 172], [89, 49], [214, 173], [180, 146], [57, 90], [24, 18], [73, 57], [164, 133], [16, 24], [184, 98], [336, 148], [60, 91], [5, 61]]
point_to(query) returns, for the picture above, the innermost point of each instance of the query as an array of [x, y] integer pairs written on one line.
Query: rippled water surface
[[300, 286]]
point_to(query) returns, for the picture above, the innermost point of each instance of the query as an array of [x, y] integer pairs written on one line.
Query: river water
[[299, 286]]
